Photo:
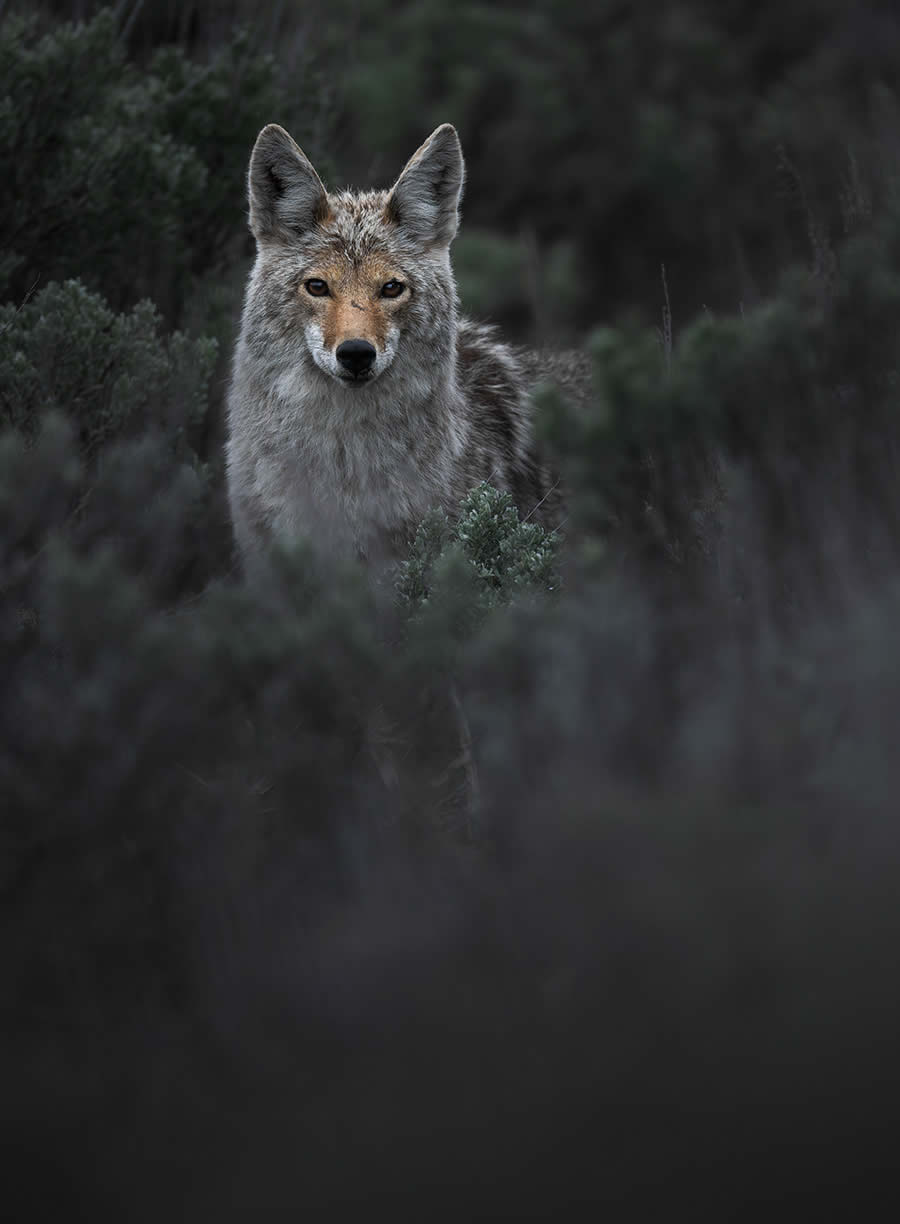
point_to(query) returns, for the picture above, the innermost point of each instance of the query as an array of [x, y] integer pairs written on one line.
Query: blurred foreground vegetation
[[569, 877]]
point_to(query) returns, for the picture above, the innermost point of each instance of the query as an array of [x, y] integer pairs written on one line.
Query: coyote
[[359, 398]]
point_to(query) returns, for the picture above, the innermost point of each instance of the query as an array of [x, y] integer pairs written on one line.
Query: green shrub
[[131, 180], [486, 546], [778, 404], [64, 350]]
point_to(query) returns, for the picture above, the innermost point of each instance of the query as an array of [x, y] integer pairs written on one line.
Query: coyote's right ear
[[286, 195]]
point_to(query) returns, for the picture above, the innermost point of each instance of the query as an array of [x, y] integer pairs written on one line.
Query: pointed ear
[[424, 200], [286, 195]]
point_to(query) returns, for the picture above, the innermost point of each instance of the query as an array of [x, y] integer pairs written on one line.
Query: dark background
[[513, 903]]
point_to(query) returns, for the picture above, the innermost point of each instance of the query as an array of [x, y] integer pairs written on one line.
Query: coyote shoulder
[[359, 398]]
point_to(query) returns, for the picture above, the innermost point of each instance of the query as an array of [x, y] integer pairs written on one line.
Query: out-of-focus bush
[[132, 180], [64, 350], [136, 403], [787, 411]]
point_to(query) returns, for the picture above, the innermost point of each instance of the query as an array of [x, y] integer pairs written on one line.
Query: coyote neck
[[367, 464]]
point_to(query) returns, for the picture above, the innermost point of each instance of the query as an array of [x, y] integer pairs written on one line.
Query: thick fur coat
[[359, 398]]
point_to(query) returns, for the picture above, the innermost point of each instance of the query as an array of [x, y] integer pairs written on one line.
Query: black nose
[[357, 356]]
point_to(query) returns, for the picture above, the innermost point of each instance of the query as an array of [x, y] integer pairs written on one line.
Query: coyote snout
[[357, 357]]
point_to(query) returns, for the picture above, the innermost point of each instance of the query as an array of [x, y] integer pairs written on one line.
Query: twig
[[541, 502], [8, 325], [467, 759], [196, 777], [665, 334], [132, 16]]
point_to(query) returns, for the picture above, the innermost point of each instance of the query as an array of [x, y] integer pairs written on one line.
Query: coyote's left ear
[[424, 200]]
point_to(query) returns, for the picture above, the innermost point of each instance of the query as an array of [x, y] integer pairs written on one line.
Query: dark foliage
[[86, 138], [500, 556], [757, 414], [568, 880]]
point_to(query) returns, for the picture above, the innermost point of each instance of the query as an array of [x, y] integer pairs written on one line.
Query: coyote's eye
[[392, 289], [317, 288]]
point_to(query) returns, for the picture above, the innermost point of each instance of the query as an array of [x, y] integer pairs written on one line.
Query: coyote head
[[363, 278]]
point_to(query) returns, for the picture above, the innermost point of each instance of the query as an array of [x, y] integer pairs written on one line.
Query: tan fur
[[354, 309]]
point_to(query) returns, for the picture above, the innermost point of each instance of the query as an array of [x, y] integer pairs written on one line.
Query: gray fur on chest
[[360, 473]]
